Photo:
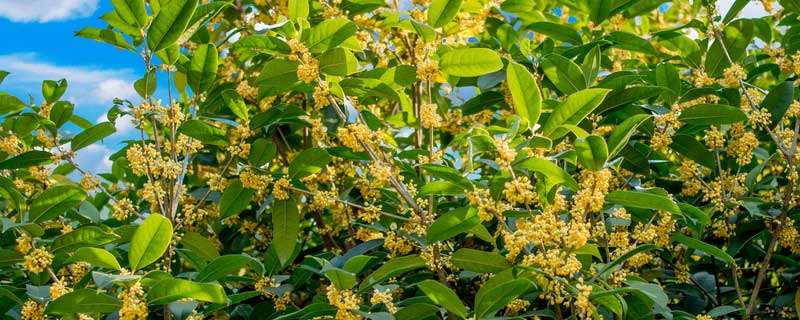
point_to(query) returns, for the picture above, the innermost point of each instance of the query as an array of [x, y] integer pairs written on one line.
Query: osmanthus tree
[[363, 159]]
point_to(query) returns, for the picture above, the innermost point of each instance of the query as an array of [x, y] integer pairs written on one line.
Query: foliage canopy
[[423, 159]]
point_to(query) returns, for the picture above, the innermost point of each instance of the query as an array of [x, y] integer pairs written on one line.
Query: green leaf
[[560, 32], [688, 146], [479, 261], [441, 12], [228, 264], [705, 247], [643, 200], [592, 152], [61, 112], [443, 296], [447, 173], [342, 279], [497, 297], [14, 199], [631, 42], [737, 35], [452, 223], [308, 162], [338, 62], [204, 132], [298, 9], [524, 92], [591, 65], [202, 15], [712, 114], [146, 86], [10, 104], [92, 135], [203, 68], [618, 261], [106, 36], [131, 11], [694, 213], [554, 173], [256, 44], [328, 34], [470, 62], [565, 74], [286, 226], [261, 152], [87, 236], [169, 24], [54, 201], [200, 245], [53, 90], [150, 241], [96, 257], [27, 159], [778, 100], [234, 199], [572, 111], [235, 102], [169, 290], [734, 10], [393, 268], [87, 301], [441, 188], [623, 132], [277, 76]]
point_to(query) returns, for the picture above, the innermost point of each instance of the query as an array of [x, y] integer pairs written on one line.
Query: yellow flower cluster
[[308, 70], [714, 138], [58, 289], [32, 310], [519, 191], [134, 304], [89, 182], [122, 209], [345, 301], [237, 140], [429, 118], [583, 306], [488, 207], [24, 243], [11, 145], [38, 260], [281, 189], [742, 145], [397, 245], [427, 69], [701, 79], [353, 135], [505, 153], [594, 187], [732, 75], [383, 297], [516, 306], [254, 180]]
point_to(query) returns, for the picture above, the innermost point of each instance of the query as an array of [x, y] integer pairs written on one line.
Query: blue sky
[[40, 44]]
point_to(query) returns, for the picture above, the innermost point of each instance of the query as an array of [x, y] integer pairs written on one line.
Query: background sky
[[40, 45]]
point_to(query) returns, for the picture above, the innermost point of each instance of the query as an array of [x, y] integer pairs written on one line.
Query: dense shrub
[[450, 159]]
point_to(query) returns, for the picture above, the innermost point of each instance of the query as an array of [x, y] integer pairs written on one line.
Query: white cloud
[[94, 158], [753, 9], [124, 124], [87, 84], [46, 10]]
